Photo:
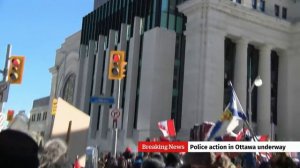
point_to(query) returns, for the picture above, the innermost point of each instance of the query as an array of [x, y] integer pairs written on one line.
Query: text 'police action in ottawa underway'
[[237, 146]]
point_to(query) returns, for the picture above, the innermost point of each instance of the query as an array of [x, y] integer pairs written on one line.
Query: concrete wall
[[156, 81]]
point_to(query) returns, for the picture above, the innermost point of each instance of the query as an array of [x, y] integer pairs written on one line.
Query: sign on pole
[[115, 118], [102, 100], [115, 114]]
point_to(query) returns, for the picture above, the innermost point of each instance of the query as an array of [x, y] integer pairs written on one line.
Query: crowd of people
[[191, 160], [19, 150]]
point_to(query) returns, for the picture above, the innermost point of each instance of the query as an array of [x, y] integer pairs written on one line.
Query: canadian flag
[[167, 127]]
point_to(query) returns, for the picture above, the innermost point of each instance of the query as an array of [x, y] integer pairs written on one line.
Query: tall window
[[276, 10], [254, 2], [68, 90], [38, 117], [44, 115], [262, 5], [274, 85], [284, 12], [230, 49], [33, 117], [252, 66]]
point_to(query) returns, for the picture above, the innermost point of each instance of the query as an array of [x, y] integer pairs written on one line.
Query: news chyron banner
[[213, 146]]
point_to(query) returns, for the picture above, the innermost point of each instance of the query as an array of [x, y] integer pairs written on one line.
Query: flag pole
[[245, 121]]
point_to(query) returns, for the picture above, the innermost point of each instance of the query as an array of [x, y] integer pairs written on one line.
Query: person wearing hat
[[18, 150]]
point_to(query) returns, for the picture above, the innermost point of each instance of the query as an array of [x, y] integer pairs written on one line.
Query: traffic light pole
[[115, 126], [4, 73]]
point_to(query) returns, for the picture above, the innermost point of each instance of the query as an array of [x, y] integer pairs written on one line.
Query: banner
[[212, 146]]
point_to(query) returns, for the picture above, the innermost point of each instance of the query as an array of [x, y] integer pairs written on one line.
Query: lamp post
[[257, 82]]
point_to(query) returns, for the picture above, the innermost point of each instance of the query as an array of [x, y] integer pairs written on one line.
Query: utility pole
[[115, 121], [4, 86], [116, 72]]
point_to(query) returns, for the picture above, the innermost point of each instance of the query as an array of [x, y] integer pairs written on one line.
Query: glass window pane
[[172, 6], [171, 22], [163, 20], [179, 25], [68, 91], [164, 6]]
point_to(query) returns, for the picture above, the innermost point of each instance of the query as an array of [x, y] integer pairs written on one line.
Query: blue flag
[[233, 109]]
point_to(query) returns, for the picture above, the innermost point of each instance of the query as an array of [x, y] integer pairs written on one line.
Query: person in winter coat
[[199, 160], [224, 161], [54, 155], [153, 163]]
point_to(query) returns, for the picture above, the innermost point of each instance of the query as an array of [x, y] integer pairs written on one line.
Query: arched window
[[68, 90]]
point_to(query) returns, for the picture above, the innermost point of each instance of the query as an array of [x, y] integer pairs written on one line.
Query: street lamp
[[257, 82]]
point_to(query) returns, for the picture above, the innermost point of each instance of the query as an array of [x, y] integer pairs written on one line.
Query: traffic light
[[15, 71], [10, 115], [117, 65]]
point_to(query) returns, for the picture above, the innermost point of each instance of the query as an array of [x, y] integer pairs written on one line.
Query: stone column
[[94, 114], [203, 86], [264, 91], [132, 79], [156, 79], [240, 71]]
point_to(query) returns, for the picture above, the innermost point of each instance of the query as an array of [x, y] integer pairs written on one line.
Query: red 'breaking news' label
[[163, 147]]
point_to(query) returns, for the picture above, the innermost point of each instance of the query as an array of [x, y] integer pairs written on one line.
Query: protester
[[122, 163], [138, 161], [153, 163], [18, 150], [223, 161], [281, 160], [203, 160], [172, 160], [128, 153], [54, 155], [158, 156]]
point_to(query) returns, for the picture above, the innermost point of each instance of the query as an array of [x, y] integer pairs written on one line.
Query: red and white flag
[[167, 127], [76, 163]]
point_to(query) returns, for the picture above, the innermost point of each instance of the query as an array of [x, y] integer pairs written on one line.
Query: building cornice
[[53, 70], [252, 15], [191, 6], [238, 11]]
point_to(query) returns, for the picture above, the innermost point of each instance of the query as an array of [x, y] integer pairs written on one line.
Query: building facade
[[65, 72], [180, 55], [238, 41], [151, 33], [39, 121]]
